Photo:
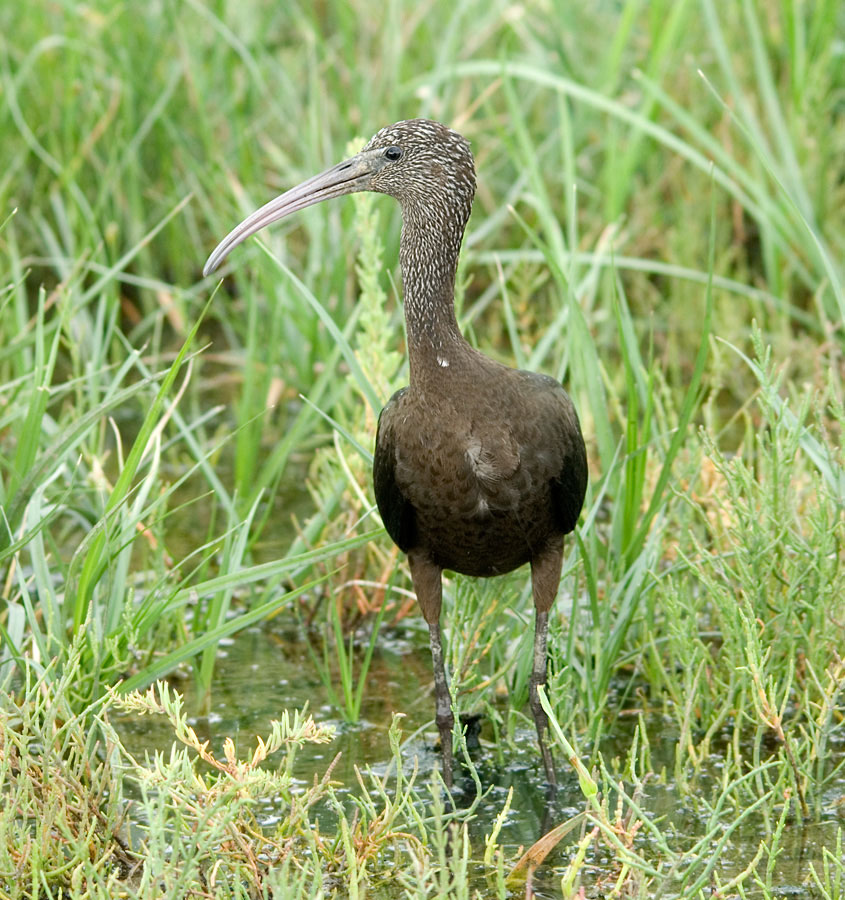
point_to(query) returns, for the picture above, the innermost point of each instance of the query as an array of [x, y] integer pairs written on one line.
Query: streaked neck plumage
[[428, 254]]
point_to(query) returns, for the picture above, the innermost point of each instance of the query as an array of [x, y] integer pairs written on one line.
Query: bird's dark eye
[[393, 153]]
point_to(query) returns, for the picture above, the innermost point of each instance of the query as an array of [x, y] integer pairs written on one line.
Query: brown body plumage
[[478, 468], [485, 493]]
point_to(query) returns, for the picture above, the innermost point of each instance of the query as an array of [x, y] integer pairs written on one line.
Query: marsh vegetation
[[185, 464]]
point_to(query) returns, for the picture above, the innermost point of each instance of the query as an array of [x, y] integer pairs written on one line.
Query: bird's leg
[[538, 677], [545, 577], [429, 590], [443, 702]]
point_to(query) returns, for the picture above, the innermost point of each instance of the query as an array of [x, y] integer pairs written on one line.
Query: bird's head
[[426, 166], [422, 162]]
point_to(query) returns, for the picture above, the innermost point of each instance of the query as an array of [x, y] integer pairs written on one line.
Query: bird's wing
[[397, 512], [569, 475], [551, 448], [570, 487]]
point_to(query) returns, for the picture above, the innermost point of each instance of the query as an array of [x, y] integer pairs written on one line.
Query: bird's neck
[[428, 254]]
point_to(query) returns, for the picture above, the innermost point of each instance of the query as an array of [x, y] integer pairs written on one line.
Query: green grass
[[658, 224]]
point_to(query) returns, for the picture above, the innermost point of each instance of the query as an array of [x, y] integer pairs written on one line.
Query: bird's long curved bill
[[345, 178]]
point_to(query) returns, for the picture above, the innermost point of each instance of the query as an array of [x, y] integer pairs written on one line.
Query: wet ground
[[265, 670]]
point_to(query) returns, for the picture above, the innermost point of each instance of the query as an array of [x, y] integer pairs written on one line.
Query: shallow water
[[267, 669]]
